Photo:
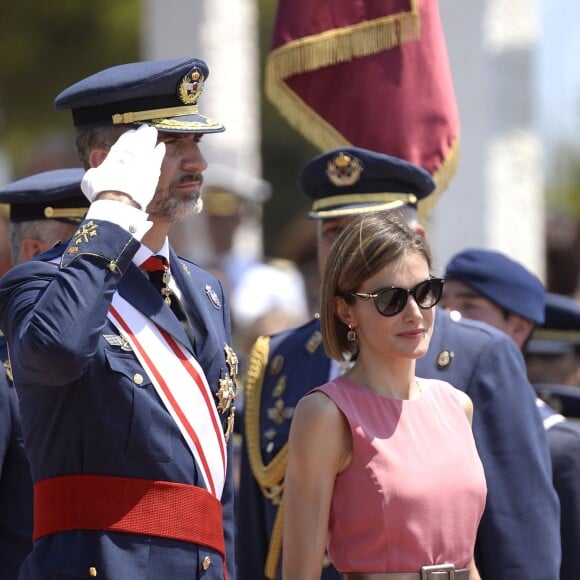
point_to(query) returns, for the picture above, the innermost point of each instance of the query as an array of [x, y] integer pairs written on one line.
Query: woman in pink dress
[[382, 471]]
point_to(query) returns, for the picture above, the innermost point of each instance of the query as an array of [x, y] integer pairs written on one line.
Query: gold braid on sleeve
[[269, 477]]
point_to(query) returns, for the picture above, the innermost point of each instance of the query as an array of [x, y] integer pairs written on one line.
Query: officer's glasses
[[391, 301]]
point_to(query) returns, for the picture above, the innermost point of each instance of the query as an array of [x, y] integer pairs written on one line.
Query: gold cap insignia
[[191, 87], [444, 359], [344, 170]]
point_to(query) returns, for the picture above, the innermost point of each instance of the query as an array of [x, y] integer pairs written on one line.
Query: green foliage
[[284, 152], [563, 184], [47, 46]]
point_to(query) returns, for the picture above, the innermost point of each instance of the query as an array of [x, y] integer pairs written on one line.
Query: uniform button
[[206, 563], [270, 447], [132, 230], [113, 266], [92, 572], [138, 378]]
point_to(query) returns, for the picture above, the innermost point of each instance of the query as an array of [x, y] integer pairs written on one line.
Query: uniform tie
[[157, 268]]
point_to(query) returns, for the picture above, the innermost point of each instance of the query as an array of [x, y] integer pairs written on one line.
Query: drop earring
[[351, 334]]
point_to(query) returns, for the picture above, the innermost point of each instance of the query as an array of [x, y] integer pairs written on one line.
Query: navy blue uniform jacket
[[84, 412], [564, 443], [519, 532], [15, 479]]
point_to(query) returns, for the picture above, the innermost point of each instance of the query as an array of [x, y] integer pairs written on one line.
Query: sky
[[558, 111]]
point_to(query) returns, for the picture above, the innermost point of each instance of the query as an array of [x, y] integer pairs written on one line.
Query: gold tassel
[[269, 477], [442, 177], [275, 547]]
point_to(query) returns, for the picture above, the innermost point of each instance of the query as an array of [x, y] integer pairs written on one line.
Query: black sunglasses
[[391, 301]]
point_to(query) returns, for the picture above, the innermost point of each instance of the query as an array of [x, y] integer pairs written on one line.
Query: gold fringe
[[343, 44], [269, 477], [442, 177], [328, 48]]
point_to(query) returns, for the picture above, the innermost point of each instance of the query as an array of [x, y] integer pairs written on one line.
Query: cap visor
[[187, 124], [354, 209]]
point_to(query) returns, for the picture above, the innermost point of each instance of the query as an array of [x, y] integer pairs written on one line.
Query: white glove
[[132, 166]]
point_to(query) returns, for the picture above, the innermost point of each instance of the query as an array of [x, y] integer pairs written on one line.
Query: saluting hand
[[132, 167]]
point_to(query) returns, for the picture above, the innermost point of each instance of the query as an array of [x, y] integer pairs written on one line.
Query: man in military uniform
[[121, 351], [489, 286], [553, 353], [519, 533], [34, 227]]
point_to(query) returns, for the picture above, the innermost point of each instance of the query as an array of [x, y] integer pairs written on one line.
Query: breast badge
[[444, 359], [280, 412], [213, 297], [276, 364], [314, 341], [117, 340]]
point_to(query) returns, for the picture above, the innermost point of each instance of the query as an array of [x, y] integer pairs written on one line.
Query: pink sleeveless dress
[[415, 490]]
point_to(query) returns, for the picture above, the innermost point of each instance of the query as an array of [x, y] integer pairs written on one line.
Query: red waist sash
[[136, 506]]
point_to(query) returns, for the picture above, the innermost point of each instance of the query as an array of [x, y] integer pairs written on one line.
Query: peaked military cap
[[350, 180], [560, 332], [52, 194], [562, 398], [502, 280], [161, 93]]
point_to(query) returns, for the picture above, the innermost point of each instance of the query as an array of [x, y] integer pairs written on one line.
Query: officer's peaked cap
[[351, 180], [161, 93], [52, 194], [561, 330]]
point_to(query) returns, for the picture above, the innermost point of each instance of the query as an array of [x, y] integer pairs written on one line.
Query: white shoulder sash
[[182, 386]]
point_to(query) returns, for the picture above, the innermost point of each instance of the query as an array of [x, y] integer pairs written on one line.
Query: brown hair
[[366, 245], [96, 137]]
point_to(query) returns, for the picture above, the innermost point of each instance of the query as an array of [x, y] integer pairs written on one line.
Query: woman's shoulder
[[449, 390], [317, 401]]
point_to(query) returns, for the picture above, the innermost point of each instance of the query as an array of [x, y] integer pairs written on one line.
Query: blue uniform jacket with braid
[[519, 532], [84, 412]]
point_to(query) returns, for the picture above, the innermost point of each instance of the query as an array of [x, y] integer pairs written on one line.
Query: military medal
[[231, 361], [226, 394]]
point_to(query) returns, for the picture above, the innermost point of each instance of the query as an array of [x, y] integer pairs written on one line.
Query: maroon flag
[[371, 73]]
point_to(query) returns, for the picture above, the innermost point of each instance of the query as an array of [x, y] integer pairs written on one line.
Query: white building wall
[[496, 198]]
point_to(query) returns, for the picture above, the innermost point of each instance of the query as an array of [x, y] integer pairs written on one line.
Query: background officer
[[44, 208], [553, 352], [519, 532], [121, 351], [488, 286]]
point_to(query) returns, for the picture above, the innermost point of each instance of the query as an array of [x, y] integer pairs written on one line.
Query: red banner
[[371, 73]]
